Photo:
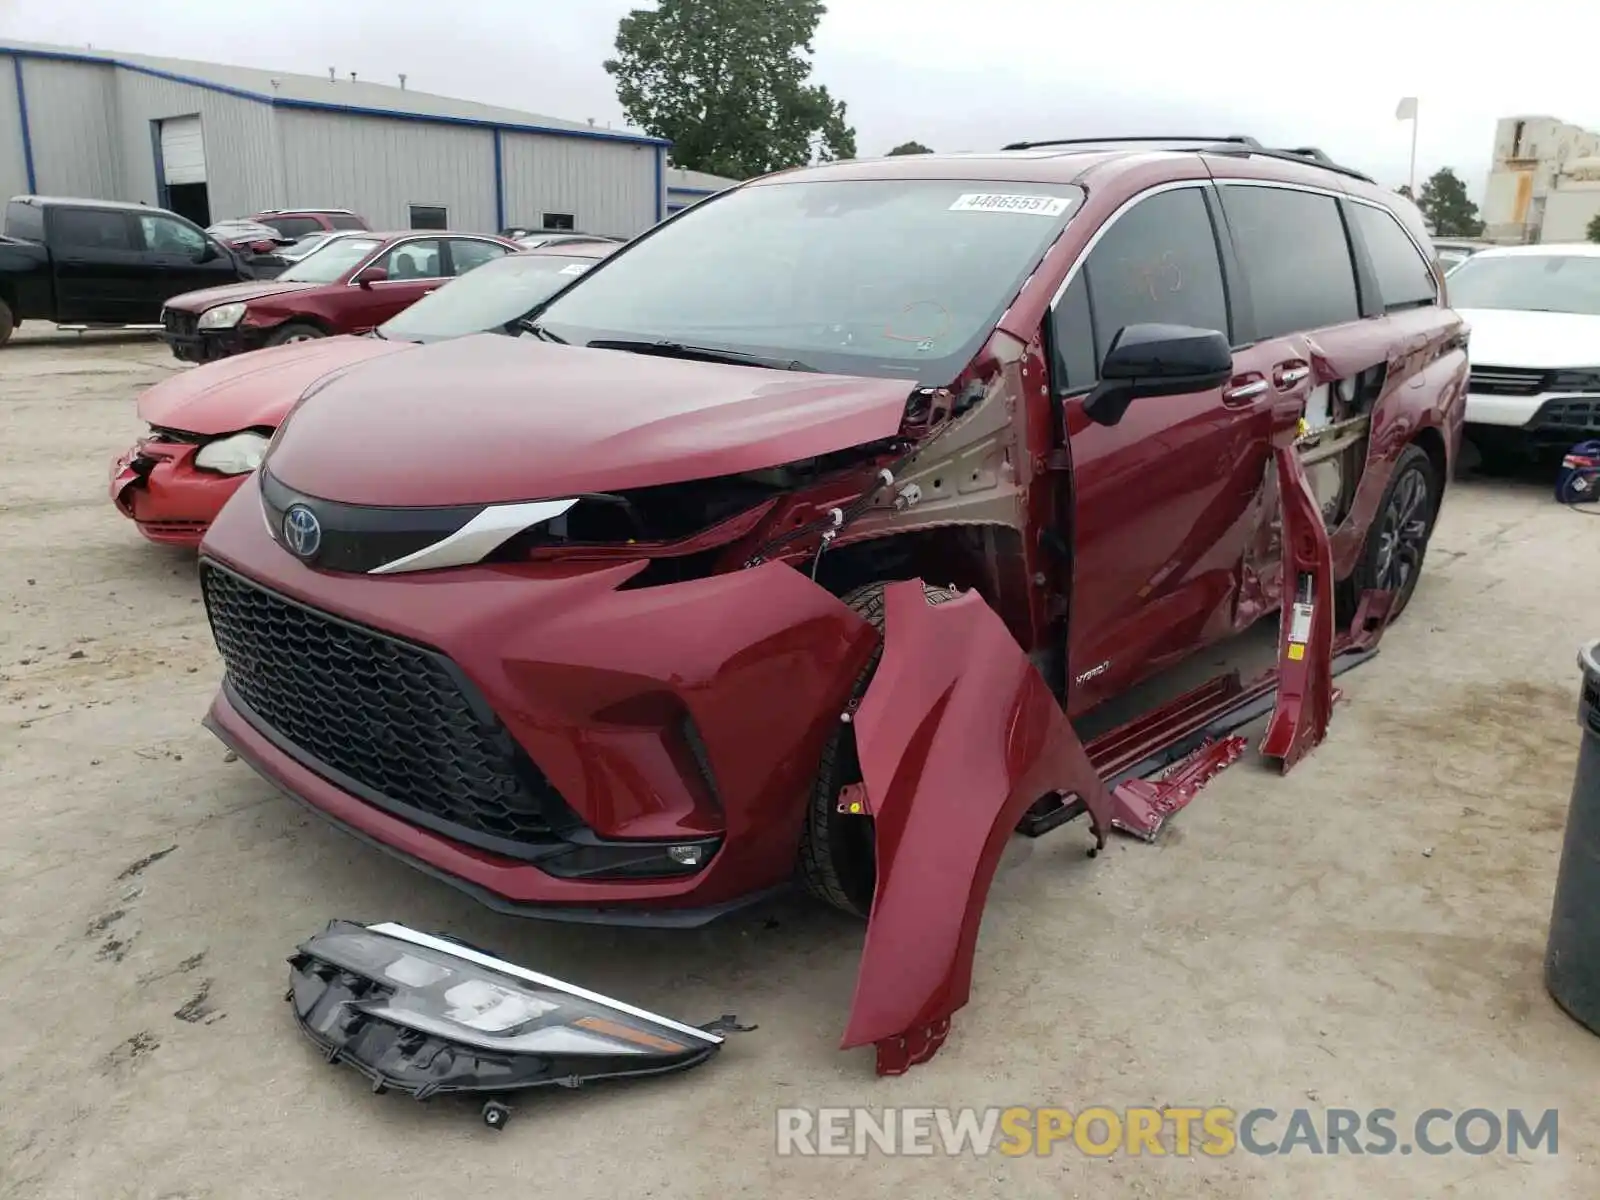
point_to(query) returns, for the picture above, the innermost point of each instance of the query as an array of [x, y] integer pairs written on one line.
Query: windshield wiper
[[702, 353], [523, 325]]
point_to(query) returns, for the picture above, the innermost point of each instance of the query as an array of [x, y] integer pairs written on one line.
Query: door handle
[[1243, 393], [1287, 376]]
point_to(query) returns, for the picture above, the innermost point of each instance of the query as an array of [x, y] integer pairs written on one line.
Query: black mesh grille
[[391, 718], [185, 324], [1577, 417]]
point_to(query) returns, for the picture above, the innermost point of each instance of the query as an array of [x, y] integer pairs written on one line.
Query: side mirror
[[371, 276], [1157, 360], [208, 252]]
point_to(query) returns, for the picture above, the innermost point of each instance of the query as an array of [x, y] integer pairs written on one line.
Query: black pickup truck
[[99, 262]]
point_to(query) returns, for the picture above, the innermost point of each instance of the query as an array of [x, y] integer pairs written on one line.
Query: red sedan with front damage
[[803, 533], [349, 284], [210, 426]]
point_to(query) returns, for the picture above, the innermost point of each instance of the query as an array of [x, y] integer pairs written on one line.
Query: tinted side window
[[163, 235], [90, 229], [1157, 263], [1404, 277], [421, 259], [345, 221], [1076, 363], [1296, 258]]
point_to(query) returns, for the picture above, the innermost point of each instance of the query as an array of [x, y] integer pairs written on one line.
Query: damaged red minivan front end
[[603, 627]]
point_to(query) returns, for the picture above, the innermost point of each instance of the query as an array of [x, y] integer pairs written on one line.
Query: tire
[[294, 331], [1411, 500], [8, 322], [837, 864]]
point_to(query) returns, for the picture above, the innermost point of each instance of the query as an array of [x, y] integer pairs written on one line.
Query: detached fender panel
[[957, 735]]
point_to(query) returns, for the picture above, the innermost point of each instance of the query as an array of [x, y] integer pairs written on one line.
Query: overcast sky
[[958, 76]]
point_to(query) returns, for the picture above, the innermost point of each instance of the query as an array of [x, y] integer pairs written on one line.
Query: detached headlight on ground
[[223, 316], [236, 455], [426, 1015]]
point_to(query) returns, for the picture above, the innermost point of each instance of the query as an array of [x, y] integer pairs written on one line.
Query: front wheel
[[838, 855], [1397, 540], [8, 322], [295, 331]]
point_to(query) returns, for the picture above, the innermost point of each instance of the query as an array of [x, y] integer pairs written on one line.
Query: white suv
[[1534, 312]]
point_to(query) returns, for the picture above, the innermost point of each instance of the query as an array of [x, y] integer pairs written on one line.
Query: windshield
[[1568, 283], [485, 298], [894, 277], [330, 261]]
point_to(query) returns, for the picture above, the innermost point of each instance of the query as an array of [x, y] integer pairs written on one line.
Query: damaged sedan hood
[[252, 390], [232, 293], [489, 418]]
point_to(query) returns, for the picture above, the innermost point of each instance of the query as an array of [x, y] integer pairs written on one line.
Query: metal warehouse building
[[214, 142]]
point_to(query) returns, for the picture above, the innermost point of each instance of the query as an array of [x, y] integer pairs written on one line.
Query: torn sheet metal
[[1140, 807]]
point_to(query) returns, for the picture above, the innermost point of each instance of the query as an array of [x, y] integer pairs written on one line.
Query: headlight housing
[[1582, 380], [223, 316], [427, 1015], [236, 455]]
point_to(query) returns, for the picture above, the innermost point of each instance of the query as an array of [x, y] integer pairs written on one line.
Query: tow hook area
[[957, 736], [426, 1015]]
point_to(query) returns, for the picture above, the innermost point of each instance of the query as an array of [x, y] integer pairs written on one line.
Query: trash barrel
[[1572, 957]]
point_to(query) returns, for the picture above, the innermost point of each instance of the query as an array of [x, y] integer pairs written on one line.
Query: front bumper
[[1552, 418], [189, 343], [685, 713], [170, 500]]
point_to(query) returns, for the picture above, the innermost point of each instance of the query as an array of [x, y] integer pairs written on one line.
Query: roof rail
[[1237, 144], [306, 208], [1235, 139], [1309, 155]]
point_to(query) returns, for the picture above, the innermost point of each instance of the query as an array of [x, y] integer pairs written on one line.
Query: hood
[[1503, 337], [255, 389], [488, 418], [233, 292]]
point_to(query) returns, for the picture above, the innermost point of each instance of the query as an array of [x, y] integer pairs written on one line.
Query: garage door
[[183, 150]]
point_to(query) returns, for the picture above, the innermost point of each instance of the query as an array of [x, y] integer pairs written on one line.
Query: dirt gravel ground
[[1367, 933]]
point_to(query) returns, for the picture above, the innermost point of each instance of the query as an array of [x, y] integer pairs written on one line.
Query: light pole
[[1407, 111]]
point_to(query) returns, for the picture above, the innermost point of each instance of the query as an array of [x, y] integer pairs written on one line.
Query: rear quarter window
[[1405, 279], [345, 221], [1295, 254], [24, 221], [91, 229]]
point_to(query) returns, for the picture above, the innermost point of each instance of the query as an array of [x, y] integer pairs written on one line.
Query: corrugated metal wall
[[92, 136], [13, 169], [380, 167], [608, 188], [242, 174], [72, 119]]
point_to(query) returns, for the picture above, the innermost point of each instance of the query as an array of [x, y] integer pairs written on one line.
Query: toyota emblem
[[302, 532]]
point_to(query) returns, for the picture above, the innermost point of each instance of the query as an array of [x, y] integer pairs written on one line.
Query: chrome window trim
[[388, 248], [1219, 181]]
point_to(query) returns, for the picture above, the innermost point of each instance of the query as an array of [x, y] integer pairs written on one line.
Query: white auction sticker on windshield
[[1038, 206], [573, 269]]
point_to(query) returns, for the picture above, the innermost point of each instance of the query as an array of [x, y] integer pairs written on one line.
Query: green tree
[[911, 148], [1593, 232], [726, 81], [1444, 202]]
